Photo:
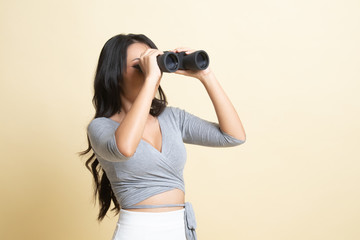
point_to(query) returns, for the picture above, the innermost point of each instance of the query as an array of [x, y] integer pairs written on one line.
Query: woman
[[139, 141]]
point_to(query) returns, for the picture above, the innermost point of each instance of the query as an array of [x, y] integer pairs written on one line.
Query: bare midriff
[[174, 196]]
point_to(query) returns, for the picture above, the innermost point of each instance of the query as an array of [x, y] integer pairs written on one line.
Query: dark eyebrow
[[135, 59]]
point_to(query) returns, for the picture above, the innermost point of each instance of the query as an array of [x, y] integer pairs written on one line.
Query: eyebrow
[[135, 59]]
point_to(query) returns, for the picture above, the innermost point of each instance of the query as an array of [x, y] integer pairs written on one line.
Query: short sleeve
[[198, 131], [102, 138]]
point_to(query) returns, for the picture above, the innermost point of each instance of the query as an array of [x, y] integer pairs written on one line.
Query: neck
[[126, 104]]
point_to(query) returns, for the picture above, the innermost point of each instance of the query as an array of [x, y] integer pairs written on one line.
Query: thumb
[[182, 72]]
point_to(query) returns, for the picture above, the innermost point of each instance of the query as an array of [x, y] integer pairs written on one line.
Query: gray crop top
[[149, 172]]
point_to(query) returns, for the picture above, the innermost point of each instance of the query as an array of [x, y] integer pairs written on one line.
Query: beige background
[[291, 69]]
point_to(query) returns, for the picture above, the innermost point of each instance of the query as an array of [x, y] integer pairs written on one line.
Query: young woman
[[138, 141]]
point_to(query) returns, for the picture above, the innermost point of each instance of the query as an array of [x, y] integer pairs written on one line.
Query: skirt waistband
[[189, 216], [155, 206], [151, 219]]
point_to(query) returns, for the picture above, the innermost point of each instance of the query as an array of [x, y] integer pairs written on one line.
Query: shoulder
[[175, 113], [173, 110], [100, 123]]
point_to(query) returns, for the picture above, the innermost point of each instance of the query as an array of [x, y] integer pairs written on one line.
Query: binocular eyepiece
[[171, 62]]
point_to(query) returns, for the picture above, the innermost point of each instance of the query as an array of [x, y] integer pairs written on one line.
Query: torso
[[152, 134], [174, 196]]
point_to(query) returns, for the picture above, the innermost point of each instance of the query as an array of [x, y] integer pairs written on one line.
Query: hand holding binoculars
[[171, 62]]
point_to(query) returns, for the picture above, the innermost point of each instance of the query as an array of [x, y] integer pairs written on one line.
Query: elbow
[[239, 141], [126, 144], [126, 151], [234, 140], [127, 154], [243, 139], [241, 136], [230, 141]]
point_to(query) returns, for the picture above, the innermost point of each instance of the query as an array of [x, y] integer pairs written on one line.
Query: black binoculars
[[171, 62]]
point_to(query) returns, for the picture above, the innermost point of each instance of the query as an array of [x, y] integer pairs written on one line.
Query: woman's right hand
[[149, 66]]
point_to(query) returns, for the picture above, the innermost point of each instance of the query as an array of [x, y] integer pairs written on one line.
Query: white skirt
[[150, 225]]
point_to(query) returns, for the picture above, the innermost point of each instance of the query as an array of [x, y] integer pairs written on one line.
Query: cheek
[[133, 73], [133, 78]]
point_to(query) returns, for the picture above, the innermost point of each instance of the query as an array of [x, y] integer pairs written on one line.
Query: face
[[133, 78]]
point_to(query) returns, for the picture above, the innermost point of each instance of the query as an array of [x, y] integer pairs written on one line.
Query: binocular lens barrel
[[171, 62], [198, 60], [202, 60], [168, 62]]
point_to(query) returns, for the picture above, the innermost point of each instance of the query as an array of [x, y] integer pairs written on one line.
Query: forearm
[[130, 131], [228, 118]]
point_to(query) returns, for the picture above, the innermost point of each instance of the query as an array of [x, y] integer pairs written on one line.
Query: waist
[[159, 202], [158, 209], [155, 208], [151, 219]]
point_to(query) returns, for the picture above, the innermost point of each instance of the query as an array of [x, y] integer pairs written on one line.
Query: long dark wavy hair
[[108, 85]]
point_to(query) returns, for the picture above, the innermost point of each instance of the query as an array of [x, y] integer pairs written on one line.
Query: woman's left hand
[[199, 74]]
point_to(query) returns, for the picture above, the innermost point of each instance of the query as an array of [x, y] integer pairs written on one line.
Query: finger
[[184, 49], [181, 49], [148, 50], [157, 52], [190, 51], [151, 51], [182, 72]]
